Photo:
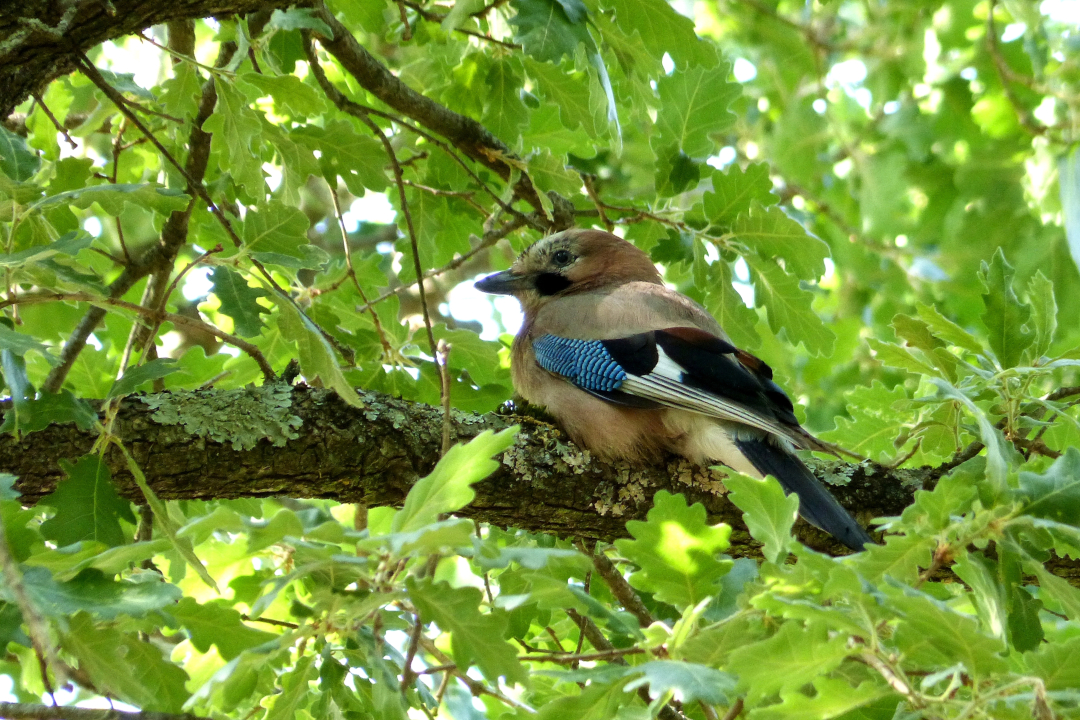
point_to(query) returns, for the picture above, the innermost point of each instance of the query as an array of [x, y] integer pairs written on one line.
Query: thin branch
[[621, 589], [489, 239], [173, 235], [571, 658], [56, 123], [388, 349], [357, 110], [154, 314], [26, 711], [735, 710], [413, 242], [35, 624], [465, 133], [442, 358], [270, 621]]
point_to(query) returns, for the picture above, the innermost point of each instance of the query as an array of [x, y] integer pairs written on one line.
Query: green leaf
[[234, 127], [295, 688], [727, 306], [137, 376], [996, 464], [474, 636], [113, 198], [768, 512], [735, 190], [676, 550], [448, 487], [70, 244], [900, 558], [694, 105], [291, 95], [687, 681], [300, 19], [874, 426], [93, 593], [468, 352], [550, 29], [164, 522], [663, 29], [1058, 664], [935, 635], [239, 300], [789, 306], [87, 506], [359, 160], [892, 355], [317, 358], [549, 173], [1005, 315], [566, 92], [771, 233], [17, 161], [275, 228], [1054, 494], [947, 330], [215, 623], [1043, 314], [125, 667], [832, 697], [504, 112], [19, 344], [125, 83], [788, 660]]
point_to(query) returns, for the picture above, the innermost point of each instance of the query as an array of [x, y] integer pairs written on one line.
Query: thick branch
[[37, 37], [465, 133], [374, 455]]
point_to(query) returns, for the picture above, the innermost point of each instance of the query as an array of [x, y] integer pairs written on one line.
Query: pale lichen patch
[[240, 417]]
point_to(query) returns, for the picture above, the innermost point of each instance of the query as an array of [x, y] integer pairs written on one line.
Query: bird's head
[[570, 262]]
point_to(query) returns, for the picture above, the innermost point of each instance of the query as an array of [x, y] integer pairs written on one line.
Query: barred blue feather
[[586, 363]]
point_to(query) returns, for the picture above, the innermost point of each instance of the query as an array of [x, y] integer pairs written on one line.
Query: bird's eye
[[562, 257]]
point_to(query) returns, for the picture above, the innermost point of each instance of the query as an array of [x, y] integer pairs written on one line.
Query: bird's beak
[[504, 283]]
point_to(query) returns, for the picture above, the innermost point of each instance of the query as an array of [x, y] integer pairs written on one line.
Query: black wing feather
[[816, 503]]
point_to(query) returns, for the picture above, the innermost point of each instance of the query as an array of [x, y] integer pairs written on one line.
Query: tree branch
[[465, 133], [373, 455], [26, 711], [38, 37]]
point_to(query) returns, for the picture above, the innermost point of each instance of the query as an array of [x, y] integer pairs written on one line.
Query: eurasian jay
[[632, 369]]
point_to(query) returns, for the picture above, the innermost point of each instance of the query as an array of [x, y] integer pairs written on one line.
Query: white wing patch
[[664, 385]]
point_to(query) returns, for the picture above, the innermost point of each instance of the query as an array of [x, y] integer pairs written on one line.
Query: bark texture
[[375, 454], [37, 37]]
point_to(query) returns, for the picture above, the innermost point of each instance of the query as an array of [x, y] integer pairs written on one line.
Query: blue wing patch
[[586, 363]]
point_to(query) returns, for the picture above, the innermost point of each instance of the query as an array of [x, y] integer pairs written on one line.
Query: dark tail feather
[[816, 504]]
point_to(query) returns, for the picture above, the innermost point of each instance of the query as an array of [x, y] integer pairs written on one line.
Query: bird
[[632, 370]]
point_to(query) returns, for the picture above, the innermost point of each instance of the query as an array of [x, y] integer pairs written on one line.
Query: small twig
[[270, 621], [437, 669], [56, 123], [388, 349], [442, 357], [486, 242], [571, 658], [186, 58], [406, 34], [590, 187], [620, 588], [178, 320], [408, 675], [735, 710]]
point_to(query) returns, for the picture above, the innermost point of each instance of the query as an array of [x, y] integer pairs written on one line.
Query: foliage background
[[877, 198]]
